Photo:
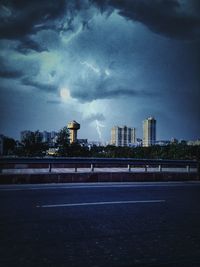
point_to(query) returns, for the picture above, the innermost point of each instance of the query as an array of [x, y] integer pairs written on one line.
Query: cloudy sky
[[101, 63]]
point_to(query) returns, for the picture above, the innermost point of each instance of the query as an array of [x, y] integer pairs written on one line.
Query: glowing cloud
[[65, 94], [107, 72]]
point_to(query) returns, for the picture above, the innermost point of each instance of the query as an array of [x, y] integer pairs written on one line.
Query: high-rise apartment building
[[149, 132], [46, 137], [122, 136]]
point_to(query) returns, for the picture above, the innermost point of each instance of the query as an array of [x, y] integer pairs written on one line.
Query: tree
[[33, 145], [76, 150], [63, 141], [9, 145]]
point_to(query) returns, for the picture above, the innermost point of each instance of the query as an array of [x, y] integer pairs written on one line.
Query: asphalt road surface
[[112, 224]]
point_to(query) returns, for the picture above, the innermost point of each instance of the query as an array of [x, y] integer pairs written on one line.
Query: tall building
[[149, 132], [73, 126], [46, 137], [53, 134], [122, 136]]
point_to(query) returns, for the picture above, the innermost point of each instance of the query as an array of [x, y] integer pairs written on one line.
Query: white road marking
[[100, 203]]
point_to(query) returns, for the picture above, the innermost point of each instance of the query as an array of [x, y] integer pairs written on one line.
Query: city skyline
[[148, 137], [102, 63]]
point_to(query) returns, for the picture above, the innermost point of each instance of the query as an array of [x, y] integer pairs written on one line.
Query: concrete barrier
[[37, 178]]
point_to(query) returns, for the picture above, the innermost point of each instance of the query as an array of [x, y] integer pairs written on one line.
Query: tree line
[[33, 146]]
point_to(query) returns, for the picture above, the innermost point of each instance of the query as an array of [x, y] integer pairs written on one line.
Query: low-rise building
[[194, 143]]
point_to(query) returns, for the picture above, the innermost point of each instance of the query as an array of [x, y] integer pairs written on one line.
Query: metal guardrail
[[103, 162]]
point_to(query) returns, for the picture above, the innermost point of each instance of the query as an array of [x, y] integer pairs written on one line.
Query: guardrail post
[[160, 168], [145, 168], [188, 168], [92, 167], [129, 167], [198, 170], [75, 169], [50, 167]]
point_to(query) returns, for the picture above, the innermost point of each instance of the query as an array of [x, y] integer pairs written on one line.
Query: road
[[105, 224]]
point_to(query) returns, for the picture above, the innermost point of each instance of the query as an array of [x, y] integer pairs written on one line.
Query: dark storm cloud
[[53, 102], [106, 93], [10, 74], [166, 17], [42, 86], [94, 117], [20, 18], [7, 71], [27, 44]]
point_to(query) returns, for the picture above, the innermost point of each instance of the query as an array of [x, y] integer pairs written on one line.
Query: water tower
[[73, 127]]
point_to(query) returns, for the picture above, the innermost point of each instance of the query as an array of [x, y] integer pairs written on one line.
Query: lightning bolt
[[98, 128], [92, 67]]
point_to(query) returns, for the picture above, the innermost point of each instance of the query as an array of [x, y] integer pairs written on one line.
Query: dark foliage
[[63, 142], [32, 145], [9, 145]]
